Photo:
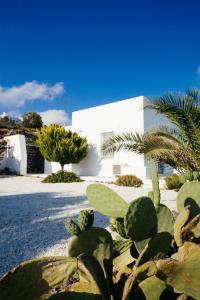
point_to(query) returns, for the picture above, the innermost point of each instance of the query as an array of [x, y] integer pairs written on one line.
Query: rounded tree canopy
[[60, 145], [32, 120]]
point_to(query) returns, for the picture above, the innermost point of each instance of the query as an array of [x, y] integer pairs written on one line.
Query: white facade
[[97, 122], [15, 157]]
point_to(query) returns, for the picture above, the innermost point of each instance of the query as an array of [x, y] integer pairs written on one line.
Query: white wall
[[121, 116], [53, 167], [118, 117], [16, 156]]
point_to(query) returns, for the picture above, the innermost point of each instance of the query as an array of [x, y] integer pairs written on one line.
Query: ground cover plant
[[62, 176], [129, 180], [151, 256]]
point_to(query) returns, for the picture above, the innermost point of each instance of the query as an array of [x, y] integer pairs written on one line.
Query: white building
[[100, 122]]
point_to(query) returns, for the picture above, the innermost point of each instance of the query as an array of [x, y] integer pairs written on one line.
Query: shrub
[[62, 146], [62, 176], [129, 180], [173, 182]]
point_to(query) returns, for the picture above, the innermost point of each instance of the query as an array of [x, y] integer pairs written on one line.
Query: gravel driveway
[[32, 216]]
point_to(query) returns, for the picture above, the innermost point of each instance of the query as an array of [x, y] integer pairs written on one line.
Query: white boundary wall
[[16, 155]]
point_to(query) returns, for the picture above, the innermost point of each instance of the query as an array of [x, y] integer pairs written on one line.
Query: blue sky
[[67, 55]]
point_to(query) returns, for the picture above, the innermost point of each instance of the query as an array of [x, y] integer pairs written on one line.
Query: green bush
[[173, 182], [61, 145], [129, 180], [176, 181], [62, 176]]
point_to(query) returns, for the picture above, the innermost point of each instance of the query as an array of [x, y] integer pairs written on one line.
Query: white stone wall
[[16, 156]]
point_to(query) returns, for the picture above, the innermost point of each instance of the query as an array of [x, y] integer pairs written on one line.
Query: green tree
[[177, 146], [60, 145], [32, 120]]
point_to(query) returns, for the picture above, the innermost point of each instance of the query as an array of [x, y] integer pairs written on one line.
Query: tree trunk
[[62, 167]]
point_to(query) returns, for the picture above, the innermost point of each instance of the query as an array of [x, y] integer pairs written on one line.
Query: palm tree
[[179, 146]]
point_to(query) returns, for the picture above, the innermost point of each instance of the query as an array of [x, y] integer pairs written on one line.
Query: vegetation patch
[[62, 176], [176, 181], [129, 180]]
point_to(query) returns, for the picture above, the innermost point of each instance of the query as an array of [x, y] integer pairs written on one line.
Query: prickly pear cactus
[[152, 288], [189, 194], [72, 227], [85, 219], [120, 246], [106, 201], [141, 220], [93, 241], [165, 219], [120, 228], [150, 195], [183, 273], [37, 279], [158, 247], [155, 182], [178, 225], [165, 223]]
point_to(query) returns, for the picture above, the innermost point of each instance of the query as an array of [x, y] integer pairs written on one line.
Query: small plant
[[62, 176], [176, 181], [173, 182], [129, 180]]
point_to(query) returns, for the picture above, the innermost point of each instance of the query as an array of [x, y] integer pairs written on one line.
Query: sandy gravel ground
[[32, 216]]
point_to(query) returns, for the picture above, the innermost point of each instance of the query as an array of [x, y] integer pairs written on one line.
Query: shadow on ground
[[31, 223]]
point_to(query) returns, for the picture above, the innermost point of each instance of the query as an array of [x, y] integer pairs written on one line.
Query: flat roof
[[111, 103]]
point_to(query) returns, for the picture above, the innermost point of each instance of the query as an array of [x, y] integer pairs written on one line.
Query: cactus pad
[[106, 201], [85, 219], [94, 241], [120, 228], [178, 224], [36, 279], [72, 227], [183, 274], [158, 247], [189, 194], [141, 220], [120, 246], [152, 288], [165, 219]]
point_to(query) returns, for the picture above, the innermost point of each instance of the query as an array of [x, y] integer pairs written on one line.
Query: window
[[105, 136]]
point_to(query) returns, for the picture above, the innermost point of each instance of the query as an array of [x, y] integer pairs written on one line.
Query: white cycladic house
[[100, 122]]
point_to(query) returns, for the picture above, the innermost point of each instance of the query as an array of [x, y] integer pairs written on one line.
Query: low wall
[[16, 156]]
